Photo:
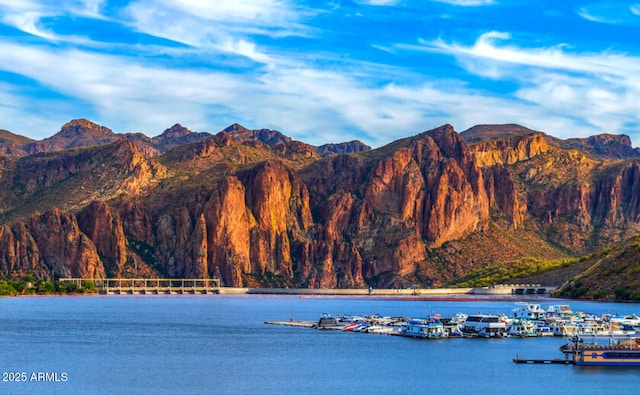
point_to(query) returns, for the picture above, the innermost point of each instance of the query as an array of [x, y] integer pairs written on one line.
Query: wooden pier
[[150, 286]]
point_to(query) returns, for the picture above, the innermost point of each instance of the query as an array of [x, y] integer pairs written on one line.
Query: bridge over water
[[150, 286]]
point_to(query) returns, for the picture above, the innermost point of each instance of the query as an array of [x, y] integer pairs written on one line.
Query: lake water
[[219, 344]]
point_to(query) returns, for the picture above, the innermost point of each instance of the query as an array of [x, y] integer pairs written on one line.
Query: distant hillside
[[274, 138], [601, 146], [481, 133], [13, 144], [613, 274]]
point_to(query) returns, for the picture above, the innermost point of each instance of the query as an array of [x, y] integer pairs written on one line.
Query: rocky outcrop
[[342, 148], [65, 250], [104, 227], [19, 253], [49, 245], [503, 196], [509, 150], [603, 146], [228, 231]]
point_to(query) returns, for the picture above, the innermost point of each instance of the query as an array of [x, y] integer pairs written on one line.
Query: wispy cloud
[[611, 12], [282, 65], [597, 90], [190, 21]]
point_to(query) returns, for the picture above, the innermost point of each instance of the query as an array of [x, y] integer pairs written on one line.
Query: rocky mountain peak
[[603, 146], [241, 135], [236, 127], [605, 138], [450, 142], [175, 131], [81, 127], [480, 133]]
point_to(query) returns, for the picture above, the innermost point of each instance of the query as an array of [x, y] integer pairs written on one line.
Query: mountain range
[[257, 208]]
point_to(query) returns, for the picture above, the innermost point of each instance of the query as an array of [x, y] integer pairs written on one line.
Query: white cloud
[[487, 46], [558, 89], [26, 15], [610, 12], [592, 16], [225, 26], [190, 21], [28, 23], [595, 92]]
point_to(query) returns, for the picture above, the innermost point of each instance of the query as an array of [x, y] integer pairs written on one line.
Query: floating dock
[[300, 324], [555, 361]]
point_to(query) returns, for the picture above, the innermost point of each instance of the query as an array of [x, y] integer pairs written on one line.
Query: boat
[[530, 311], [522, 328], [424, 328], [603, 350], [327, 321], [544, 329], [630, 320], [559, 310], [565, 328], [482, 325]]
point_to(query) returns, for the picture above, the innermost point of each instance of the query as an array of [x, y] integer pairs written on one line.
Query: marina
[[596, 340], [526, 320]]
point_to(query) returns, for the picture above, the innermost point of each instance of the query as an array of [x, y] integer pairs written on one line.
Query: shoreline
[[454, 294]]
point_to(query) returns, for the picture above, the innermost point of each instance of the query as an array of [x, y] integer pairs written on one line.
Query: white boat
[[522, 328], [560, 310], [630, 320], [482, 325], [382, 329], [566, 328], [529, 311]]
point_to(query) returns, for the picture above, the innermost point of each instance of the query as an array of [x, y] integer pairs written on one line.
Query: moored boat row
[[526, 320]]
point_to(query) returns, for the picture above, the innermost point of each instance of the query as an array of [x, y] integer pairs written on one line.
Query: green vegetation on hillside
[[505, 271]]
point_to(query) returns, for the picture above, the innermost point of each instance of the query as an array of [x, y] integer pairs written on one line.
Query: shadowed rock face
[[50, 244], [259, 209]]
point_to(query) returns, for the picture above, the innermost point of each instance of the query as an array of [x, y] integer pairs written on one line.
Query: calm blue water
[[220, 345]]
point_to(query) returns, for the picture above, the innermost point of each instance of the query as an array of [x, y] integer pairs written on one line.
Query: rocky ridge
[[257, 208]]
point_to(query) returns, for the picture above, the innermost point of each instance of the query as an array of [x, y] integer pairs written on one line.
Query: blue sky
[[321, 71]]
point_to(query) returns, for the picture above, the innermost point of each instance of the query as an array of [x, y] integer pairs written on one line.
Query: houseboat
[[523, 328], [424, 328], [481, 325], [603, 351], [529, 311]]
